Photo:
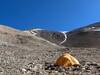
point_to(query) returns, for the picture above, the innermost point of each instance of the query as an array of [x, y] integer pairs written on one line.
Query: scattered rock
[[87, 67], [1, 70]]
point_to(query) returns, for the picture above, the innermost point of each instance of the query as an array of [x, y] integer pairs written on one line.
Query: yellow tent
[[66, 60]]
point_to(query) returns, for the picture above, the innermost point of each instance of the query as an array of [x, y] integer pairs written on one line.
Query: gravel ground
[[87, 68], [49, 68], [24, 54]]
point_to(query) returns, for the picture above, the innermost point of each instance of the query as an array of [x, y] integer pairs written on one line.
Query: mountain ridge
[[86, 36]]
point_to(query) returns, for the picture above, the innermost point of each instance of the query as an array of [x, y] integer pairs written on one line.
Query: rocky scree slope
[[18, 48], [52, 36], [87, 36]]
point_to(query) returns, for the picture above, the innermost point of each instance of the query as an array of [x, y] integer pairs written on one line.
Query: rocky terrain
[[52, 36], [24, 53], [87, 36]]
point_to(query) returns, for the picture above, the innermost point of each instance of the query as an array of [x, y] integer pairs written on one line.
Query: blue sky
[[56, 15]]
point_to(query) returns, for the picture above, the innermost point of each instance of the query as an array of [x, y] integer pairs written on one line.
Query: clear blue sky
[[57, 15]]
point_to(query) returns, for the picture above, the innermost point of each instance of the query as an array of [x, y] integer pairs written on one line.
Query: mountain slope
[[88, 36], [22, 53], [18, 48], [52, 36]]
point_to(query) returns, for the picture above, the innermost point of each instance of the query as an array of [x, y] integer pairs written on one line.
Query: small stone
[[83, 68], [98, 68], [23, 70], [61, 69], [87, 63], [37, 67], [53, 68], [94, 64], [76, 68], [49, 66], [1, 70]]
